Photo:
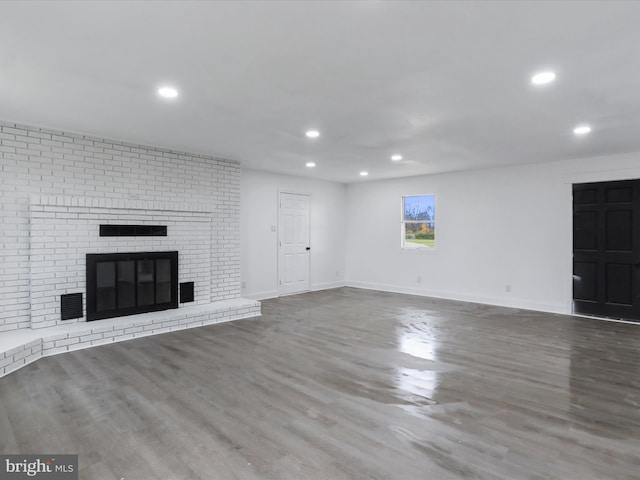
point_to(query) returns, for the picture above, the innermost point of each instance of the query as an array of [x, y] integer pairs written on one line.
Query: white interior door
[[294, 248]]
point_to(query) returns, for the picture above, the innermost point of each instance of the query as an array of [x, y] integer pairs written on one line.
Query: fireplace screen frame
[[94, 259]]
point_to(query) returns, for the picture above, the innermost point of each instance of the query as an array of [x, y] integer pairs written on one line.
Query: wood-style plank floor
[[343, 384]]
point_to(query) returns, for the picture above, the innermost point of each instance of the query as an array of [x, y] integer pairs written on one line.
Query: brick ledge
[[21, 347]]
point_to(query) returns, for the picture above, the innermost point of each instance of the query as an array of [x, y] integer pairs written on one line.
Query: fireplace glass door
[[126, 283]]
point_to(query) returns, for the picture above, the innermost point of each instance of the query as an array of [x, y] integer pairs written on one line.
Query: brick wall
[[107, 175]]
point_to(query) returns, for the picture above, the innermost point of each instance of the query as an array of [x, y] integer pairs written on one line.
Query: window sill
[[417, 249]]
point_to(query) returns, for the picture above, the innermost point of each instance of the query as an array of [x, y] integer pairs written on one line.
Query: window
[[419, 222]]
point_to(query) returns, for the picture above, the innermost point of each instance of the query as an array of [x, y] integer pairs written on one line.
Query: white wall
[[259, 215], [498, 227]]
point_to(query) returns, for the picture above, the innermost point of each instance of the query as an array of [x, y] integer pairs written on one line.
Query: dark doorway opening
[[606, 249], [121, 284]]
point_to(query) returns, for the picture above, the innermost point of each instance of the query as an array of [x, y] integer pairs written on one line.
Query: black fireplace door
[[121, 284]]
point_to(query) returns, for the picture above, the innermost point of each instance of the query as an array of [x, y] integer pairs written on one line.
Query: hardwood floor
[[343, 384]]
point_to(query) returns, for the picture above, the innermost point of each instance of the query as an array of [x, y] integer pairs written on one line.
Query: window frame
[[416, 247]]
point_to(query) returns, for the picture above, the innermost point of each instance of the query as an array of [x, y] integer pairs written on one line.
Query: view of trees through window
[[419, 221]]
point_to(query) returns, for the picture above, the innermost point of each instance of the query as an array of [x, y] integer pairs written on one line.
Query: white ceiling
[[447, 84]]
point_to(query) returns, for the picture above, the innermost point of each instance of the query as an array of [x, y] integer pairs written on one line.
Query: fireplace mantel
[[115, 203]]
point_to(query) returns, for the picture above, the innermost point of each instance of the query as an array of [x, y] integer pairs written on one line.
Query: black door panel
[[606, 249]]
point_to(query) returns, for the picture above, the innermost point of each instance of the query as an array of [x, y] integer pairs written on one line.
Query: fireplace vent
[[186, 292], [71, 306], [133, 230]]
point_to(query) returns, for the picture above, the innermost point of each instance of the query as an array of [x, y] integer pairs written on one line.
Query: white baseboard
[[267, 294], [327, 285], [496, 301]]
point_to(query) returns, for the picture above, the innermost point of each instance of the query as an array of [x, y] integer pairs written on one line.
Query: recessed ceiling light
[[543, 78], [168, 92], [582, 129], [364, 174], [311, 164], [312, 133], [396, 158]]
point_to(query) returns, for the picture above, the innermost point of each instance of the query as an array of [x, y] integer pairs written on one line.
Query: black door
[[128, 283], [606, 249]]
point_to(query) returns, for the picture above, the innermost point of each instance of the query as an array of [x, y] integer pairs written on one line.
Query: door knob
[[308, 248]]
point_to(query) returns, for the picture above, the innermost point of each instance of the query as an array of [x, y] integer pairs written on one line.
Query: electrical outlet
[[244, 284], [337, 273], [419, 280], [507, 288]]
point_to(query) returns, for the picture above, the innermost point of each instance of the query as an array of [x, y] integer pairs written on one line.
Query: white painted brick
[[55, 350], [32, 357], [126, 336], [101, 329], [34, 345], [68, 341], [133, 330], [13, 367], [116, 333], [11, 353], [5, 362], [160, 330], [161, 180], [102, 341]]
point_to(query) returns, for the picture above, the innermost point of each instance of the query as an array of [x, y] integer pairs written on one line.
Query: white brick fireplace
[[56, 191], [65, 229]]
